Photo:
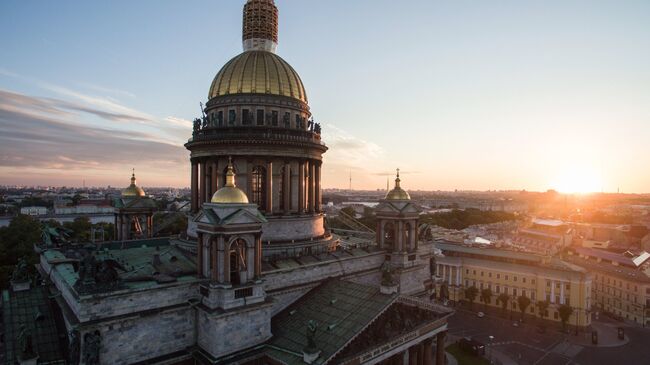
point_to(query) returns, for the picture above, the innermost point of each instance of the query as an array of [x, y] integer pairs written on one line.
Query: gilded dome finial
[[133, 190], [229, 193], [397, 193], [397, 179], [230, 174]]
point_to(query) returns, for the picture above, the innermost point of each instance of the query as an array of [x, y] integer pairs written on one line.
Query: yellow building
[[621, 283], [516, 274]]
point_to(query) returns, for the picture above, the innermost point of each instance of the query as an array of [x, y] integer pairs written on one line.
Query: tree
[[80, 228], [523, 302], [470, 294], [565, 312], [503, 298], [486, 297], [16, 241], [542, 307]]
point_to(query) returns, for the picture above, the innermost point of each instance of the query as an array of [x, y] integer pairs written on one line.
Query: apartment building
[[515, 274], [621, 284]]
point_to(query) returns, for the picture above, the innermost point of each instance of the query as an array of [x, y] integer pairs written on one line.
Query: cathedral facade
[[260, 280]]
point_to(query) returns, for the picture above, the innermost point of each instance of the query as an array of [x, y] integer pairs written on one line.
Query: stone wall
[[139, 338], [313, 273], [221, 334]]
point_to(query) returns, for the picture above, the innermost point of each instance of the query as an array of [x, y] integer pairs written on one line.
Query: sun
[[578, 180]]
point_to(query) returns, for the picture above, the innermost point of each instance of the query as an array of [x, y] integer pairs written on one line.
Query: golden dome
[[258, 72], [397, 193], [133, 190], [229, 193]]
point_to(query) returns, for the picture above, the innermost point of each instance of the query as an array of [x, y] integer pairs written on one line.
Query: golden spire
[[398, 193], [230, 174], [229, 193], [133, 190], [397, 180]]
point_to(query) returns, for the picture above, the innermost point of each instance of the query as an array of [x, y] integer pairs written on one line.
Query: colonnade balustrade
[[206, 176]]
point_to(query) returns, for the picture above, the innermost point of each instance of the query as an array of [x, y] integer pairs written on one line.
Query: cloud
[[349, 151], [36, 134], [106, 90]]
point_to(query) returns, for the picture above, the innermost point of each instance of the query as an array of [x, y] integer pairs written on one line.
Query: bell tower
[[397, 234], [229, 258]]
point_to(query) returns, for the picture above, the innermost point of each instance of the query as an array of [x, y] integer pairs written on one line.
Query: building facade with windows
[[515, 274], [621, 285]]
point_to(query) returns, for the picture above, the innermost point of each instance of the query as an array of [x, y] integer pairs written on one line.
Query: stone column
[[421, 353], [427, 356], [440, 348], [221, 253], [250, 261], [226, 263], [214, 263], [301, 187], [202, 180], [413, 355], [195, 186], [318, 197], [258, 256], [552, 291], [286, 187], [269, 187], [214, 179], [399, 237], [199, 255], [311, 202], [457, 275]]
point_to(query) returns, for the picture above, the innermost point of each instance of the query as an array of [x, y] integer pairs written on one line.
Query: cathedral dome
[[258, 72], [229, 193], [398, 193], [133, 190]]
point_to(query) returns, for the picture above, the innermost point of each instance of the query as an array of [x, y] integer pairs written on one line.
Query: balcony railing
[[256, 133]]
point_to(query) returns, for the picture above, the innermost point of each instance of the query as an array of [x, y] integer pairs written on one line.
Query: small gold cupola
[[230, 193], [398, 193], [133, 190]]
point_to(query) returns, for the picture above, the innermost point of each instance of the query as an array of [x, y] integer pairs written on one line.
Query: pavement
[[525, 344]]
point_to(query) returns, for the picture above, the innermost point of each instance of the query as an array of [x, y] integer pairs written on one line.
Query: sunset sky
[[457, 94]]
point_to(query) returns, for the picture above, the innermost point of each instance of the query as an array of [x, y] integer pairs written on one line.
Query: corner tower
[[258, 113]]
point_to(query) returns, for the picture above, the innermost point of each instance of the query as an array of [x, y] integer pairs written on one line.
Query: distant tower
[[350, 188]]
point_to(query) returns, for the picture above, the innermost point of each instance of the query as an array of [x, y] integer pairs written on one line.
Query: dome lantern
[[398, 193], [133, 190], [260, 26], [229, 193]]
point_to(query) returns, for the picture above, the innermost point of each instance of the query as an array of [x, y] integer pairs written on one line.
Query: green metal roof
[[341, 309], [31, 308]]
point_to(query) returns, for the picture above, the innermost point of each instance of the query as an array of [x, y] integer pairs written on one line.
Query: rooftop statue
[[20, 273], [387, 275], [26, 343], [312, 326], [92, 345], [73, 349]]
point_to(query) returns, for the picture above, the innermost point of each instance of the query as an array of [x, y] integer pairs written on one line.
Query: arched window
[[237, 254], [407, 236], [258, 187], [389, 235]]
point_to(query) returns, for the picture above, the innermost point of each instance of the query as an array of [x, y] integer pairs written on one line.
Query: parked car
[[515, 324], [472, 346], [480, 314]]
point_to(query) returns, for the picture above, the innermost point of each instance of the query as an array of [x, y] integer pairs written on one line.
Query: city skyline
[[481, 97]]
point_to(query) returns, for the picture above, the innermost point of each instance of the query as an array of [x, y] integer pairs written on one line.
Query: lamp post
[[490, 349]]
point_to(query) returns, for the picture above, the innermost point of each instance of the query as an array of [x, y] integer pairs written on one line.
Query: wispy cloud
[[107, 90], [47, 139], [349, 151]]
